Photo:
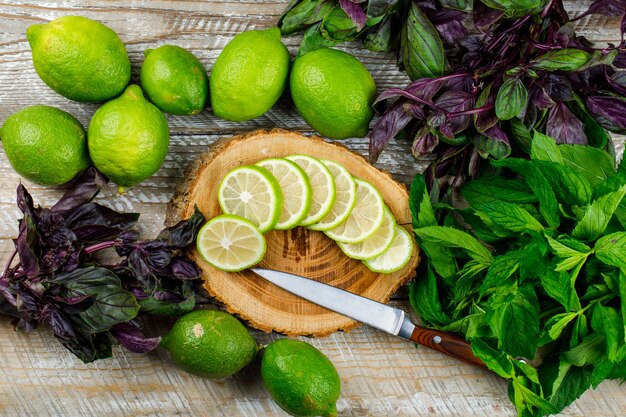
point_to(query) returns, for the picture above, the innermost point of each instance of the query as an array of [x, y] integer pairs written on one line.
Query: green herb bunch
[[530, 266]]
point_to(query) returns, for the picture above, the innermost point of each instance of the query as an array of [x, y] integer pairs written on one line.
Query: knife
[[370, 312]]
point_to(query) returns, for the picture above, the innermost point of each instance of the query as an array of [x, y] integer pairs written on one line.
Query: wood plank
[[381, 375]]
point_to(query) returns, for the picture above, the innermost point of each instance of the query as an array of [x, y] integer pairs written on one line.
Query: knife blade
[[378, 315]]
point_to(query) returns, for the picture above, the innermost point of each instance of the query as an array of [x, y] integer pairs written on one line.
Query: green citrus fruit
[[79, 58], [300, 378], [175, 80], [249, 75], [334, 93], [45, 145], [210, 343], [128, 138]]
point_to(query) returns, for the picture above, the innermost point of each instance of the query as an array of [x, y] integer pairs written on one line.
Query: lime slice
[[295, 187], [253, 193], [364, 219], [230, 243], [345, 197], [396, 256], [374, 245], [322, 184]]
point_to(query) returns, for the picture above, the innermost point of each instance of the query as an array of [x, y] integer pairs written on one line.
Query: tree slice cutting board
[[300, 251]]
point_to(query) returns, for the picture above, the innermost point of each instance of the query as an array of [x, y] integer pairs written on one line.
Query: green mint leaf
[[579, 331], [610, 249], [598, 215], [490, 188], [496, 360], [559, 286], [509, 216], [515, 321], [590, 351], [455, 238], [554, 327], [501, 269], [568, 59], [571, 257], [521, 134], [622, 296], [570, 186], [424, 298], [595, 164], [442, 261], [420, 204], [525, 399], [527, 370], [511, 99], [567, 383], [607, 322], [518, 5], [421, 47], [544, 148], [601, 372]]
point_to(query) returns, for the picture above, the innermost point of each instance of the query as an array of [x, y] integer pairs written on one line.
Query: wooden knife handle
[[447, 343]]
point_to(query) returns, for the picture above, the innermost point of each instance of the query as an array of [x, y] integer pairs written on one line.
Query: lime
[[322, 184], [345, 197], [45, 145], [210, 343], [296, 190], [300, 378], [253, 193], [175, 80], [230, 243], [396, 256], [128, 138], [334, 93], [249, 75], [364, 219], [374, 245], [79, 58]]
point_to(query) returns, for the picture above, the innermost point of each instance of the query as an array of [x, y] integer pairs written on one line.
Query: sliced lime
[[396, 256], [364, 219], [345, 197], [296, 190], [374, 245], [230, 243], [322, 184], [253, 193]]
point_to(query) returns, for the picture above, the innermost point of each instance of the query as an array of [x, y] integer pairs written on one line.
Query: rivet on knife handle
[[446, 343]]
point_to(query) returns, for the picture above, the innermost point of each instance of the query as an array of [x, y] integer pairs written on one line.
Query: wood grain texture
[[299, 251], [381, 375]]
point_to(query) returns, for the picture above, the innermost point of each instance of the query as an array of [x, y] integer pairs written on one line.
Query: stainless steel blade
[[373, 313]]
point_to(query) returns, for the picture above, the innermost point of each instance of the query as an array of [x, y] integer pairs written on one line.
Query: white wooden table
[[381, 375]]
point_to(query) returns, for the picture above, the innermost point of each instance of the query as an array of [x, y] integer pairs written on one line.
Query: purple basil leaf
[[355, 11], [424, 143], [131, 336], [27, 245], [540, 98], [494, 142], [564, 126], [95, 214], [606, 8], [183, 269], [620, 60], [485, 16], [474, 163], [184, 232], [5, 291], [618, 82], [96, 233], [449, 24], [559, 88], [473, 43], [610, 112], [58, 321], [485, 119], [447, 130], [74, 304], [26, 302], [426, 88], [82, 190], [25, 201], [88, 347], [414, 110], [386, 128], [455, 103]]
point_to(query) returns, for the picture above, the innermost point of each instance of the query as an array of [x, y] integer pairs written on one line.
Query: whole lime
[[300, 378], [175, 80], [334, 93], [45, 145], [128, 138], [249, 75], [210, 343], [79, 58]]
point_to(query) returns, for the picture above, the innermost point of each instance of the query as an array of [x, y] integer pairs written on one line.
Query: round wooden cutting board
[[300, 251]]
